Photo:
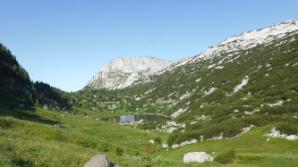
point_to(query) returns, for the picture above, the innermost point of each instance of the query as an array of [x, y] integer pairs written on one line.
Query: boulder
[[100, 160], [198, 157]]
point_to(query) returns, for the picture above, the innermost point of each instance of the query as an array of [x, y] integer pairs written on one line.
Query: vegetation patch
[[226, 157], [288, 128]]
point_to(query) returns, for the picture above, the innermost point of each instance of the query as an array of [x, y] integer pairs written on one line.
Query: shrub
[[157, 140], [226, 157], [171, 139], [5, 124], [148, 126], [288, 128], [257, 120], [19, 161], [104, 147], [229, 128], [280, 109], [59, 135], [119, 151]]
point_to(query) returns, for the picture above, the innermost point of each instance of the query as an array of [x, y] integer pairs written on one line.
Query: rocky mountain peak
[[123, 72]]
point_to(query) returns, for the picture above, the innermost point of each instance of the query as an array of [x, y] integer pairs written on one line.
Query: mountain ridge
[[242, 41]]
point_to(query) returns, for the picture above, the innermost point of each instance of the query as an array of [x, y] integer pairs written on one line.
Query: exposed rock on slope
[[123, 72], [243, 41]]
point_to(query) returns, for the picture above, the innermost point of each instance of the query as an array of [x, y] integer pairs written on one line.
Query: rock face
[[99, 161], [123, 72], [198, 157]]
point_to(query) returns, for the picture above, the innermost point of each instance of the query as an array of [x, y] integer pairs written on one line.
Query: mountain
[[123, 72], [243, 41], [249, 79], [236, 103], [15, 84], [18, 91]]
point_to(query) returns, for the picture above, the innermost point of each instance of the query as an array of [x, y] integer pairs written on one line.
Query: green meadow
[[41, 137]]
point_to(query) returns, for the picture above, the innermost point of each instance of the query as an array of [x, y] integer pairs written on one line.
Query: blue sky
[[64, 42]]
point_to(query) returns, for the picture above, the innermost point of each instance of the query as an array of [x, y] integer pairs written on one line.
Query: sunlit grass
[[75, 138]]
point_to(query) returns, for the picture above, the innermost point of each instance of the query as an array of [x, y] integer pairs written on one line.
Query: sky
[[64, 42]]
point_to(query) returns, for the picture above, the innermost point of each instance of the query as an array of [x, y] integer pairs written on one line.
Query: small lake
[[135, 119]]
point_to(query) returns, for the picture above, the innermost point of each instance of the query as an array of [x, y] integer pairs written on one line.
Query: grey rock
[[100, 160], [123, 72]]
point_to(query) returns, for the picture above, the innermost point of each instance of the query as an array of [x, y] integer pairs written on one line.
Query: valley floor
[[40, 137]]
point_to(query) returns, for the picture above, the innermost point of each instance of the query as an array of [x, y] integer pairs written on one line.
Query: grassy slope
[[50, 138], [42, 143], [76, 140], [252, 150]]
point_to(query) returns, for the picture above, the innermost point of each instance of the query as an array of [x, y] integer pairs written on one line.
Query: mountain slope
[[224, 91], [250, 79], [17, 90], [243, 41], [239, 95], [123, 72], [15, 84]]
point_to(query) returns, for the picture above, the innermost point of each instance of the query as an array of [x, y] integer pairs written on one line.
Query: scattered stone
[[164, 145], [151, 141], [276, 134]]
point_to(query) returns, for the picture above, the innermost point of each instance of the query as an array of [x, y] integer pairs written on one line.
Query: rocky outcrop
[[123, 72]]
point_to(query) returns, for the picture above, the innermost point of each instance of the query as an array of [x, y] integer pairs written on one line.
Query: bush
[[172, 139], [59, 135], [119, 151], [226, 158], [260, 119], [288, 128], [19, 161], [5, 123], [229, 128], [280, 109], [157, 140], [104, 147], [148, 126]]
